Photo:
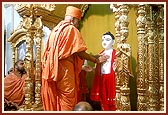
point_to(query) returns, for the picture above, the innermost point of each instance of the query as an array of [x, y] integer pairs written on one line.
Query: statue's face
[[107, 42]]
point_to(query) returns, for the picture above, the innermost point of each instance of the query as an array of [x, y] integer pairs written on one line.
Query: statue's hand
[[87, 68]]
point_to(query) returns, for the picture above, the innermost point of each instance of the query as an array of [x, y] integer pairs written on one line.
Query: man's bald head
[[83, 106]]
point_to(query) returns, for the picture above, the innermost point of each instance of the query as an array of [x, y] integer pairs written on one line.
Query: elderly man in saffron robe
[[62, 62], [14, 84]]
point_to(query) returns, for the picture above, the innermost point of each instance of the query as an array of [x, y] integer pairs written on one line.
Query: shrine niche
[[17, 39], [29, 37]]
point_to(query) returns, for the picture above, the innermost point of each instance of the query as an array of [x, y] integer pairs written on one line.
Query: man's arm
[[95, 59]]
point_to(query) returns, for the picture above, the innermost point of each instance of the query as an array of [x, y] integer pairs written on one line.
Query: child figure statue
[[104, 86]]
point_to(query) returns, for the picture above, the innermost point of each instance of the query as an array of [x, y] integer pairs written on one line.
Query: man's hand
[[102, 58]]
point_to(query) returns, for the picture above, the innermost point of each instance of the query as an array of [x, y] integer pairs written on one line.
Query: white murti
[[107, 43]]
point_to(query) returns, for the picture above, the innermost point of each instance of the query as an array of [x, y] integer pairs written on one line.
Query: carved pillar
[[118, 84], [151, 87], [160, 24], [141, 77], [124, 53], [156, 58], [152, 91], [115, 9], [29, 82], [39, 34], [153, 61]]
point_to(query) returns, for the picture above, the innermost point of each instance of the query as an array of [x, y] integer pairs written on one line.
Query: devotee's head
[[73, 15], [83, 106], [19, 65], [107, 40]]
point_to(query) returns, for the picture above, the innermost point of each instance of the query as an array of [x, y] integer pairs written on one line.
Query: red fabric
[[104, 88], [95, 91], [83, 87], [14, 88]]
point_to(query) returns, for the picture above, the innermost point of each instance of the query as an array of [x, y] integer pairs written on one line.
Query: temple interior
[[140, 76]]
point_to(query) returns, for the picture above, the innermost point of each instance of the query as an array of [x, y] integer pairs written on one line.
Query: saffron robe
[[61, 67], [14, 88], [104, 87]]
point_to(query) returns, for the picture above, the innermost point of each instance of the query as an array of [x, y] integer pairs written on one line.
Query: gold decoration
[[117, 78], [123, 53], [150, 83], [141, 75], [160, 23]]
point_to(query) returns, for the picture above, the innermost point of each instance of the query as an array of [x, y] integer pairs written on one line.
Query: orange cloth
[[60, 68], [74, 12], [14, 88]]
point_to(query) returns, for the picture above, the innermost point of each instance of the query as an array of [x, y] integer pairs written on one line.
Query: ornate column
[[160, 24], [141, 77], [115, 9], [124, 53], [152, 62], [29, 82], [39, 35], [151, 88], [152, 91]]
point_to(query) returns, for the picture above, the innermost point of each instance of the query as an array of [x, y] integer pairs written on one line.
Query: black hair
[[109, 33], [22, 71], [16, 63]]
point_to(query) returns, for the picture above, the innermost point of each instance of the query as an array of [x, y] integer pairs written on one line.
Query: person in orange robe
[[14, 84], [62, 62], [104, 84]]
